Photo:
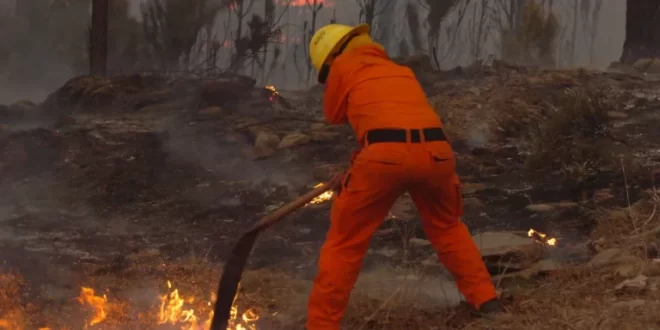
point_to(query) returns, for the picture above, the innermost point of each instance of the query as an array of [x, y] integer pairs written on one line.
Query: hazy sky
[[608, 42]]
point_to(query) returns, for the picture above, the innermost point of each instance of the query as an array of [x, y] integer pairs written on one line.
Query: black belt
[[400, 135]]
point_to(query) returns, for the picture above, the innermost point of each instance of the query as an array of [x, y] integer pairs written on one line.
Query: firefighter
[[403, 149]]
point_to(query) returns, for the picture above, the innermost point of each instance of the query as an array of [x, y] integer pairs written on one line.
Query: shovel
[[233, 269]]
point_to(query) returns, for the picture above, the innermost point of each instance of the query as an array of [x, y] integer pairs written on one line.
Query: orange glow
[[301, 3], [286, 39], [174, 311], [97, 304]]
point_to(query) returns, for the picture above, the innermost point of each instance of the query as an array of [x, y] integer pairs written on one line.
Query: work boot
[[490, 308]]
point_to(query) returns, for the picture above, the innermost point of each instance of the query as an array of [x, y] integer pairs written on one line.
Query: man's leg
[[356, 214], [440, 206]]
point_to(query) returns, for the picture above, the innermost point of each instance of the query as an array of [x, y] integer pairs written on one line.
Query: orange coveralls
[[370, 91]]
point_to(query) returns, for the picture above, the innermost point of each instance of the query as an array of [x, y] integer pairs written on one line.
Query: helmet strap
[[325, 68]]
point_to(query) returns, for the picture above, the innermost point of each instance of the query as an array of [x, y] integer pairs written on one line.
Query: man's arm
[[335, 100]]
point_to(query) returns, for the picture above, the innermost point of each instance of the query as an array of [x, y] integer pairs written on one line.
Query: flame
[[177, 311], [173, 310], [322, 198], [542, 237], [274, 93], [97, 303], [301, 3]]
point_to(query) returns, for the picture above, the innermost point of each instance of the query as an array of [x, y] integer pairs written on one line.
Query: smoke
[[478, 135], [45, 43]]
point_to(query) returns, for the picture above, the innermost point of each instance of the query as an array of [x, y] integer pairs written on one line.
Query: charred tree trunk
[[98, 46], [642, 31]]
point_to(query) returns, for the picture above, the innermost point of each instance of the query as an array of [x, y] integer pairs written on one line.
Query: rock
[[647, 65], [475, 91], [210, 111], [387, 252], [626, 270], [432, 261], [605, 257], [539, 268], [324, 136], [596, 246], [654, 283], [4, 131], [224, 91], [630, 303], [256, 153], [17, 110], [255, 130], [471, 188], [318, 126], [540, 208], [23, 105], [566, 205], [419, 242], [267, 140], [617, 115], [603, 195], [473, 203], [628, 266], [305, 231], [546, 265], [635, 284], [293, 140], [654, 267], [508, 250]]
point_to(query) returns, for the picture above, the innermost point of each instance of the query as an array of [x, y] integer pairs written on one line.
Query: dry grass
[[581, 297], [574, 144], [11, 314], [635, 227], [509, 103]]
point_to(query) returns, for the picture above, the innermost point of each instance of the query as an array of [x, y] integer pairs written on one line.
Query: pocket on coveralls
[[370, 167], [443, 160], [456, 183], [440, 152]]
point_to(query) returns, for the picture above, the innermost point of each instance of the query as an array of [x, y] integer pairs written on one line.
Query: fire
[[97, 303], [173, 310], [9, 323], [542, 237], [274, 92], [300, 3], [322, 198], [177, 311]]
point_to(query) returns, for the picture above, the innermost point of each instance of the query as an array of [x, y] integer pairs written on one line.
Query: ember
[[274, 93], [542, 238], [322, 198]]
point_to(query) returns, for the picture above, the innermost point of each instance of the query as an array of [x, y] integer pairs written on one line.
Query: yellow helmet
[[328, 41]]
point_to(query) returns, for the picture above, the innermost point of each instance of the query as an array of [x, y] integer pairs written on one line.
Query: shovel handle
[[288, 208], [233, 269]]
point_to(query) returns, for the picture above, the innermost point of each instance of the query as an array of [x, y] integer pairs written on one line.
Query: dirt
[[126, 179]]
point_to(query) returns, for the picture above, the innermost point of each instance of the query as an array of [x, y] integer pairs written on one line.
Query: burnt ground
[[122, 183]]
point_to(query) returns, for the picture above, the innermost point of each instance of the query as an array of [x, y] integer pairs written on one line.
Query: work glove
[[337, 182]]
